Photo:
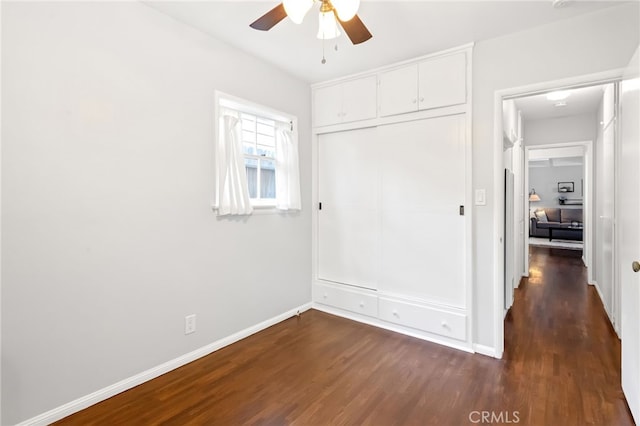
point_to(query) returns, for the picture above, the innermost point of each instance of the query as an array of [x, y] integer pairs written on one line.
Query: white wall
[[591, 43], [574, 128], [108, 237], [545, 181]]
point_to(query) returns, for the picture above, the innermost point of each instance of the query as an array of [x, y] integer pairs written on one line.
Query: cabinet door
[[359, 99], [348, 236], [399, 91], [327, 105], [443, 81], [423, 235]]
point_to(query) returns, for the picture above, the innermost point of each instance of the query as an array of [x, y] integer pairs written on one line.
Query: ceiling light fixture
[[343, 12], [560, 104], [297, 9], [559, 95], [346, 9], [327, 25]]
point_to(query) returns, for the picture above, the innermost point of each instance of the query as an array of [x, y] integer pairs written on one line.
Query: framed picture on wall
[[565, 187]]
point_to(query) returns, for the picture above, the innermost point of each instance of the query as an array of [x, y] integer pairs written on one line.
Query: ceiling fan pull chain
[[324, 61]]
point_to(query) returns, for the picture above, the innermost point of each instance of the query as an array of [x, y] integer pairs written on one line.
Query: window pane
[[248, 122], [251, 166], [248, 136], [266, 151], [266, 140], [268, 179], [249, 149], [265, 129]]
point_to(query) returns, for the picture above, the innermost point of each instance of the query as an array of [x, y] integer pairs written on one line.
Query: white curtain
[[287, 168], [232, 194]]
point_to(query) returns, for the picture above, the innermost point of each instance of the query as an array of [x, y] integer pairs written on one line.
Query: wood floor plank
[[561, 366]]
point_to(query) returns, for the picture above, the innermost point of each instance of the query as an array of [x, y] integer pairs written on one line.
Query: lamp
[[346, 9], [533, 196], [296, 9]]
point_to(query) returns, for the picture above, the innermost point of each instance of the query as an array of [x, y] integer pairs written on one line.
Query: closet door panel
[[348, 223], [422, 188]]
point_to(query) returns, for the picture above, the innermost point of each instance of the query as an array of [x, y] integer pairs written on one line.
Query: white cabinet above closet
[[431, 83], [345, 102]]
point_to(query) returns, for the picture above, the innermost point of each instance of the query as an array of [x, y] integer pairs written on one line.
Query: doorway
[[509, 130]]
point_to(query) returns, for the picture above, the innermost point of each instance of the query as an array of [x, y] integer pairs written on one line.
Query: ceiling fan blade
[[355, 29], [269, 19]]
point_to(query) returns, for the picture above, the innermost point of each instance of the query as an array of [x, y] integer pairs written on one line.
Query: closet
[[392, 224]]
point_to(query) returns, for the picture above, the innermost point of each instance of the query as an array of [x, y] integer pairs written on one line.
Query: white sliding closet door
[[348, 222], [422, 166]]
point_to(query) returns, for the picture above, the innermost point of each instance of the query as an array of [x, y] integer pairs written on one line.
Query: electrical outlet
[[190, 324]]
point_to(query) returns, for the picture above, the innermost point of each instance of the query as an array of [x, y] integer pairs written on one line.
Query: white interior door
[[628, 218], [422, 171], [348, 236]]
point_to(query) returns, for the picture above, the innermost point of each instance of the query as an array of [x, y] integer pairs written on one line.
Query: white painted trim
[[375, 322], [126, 384], [484, 350], [0, 231], [498, 228], [498, 202]]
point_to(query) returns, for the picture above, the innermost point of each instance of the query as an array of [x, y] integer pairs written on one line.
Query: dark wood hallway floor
[[561, 367]]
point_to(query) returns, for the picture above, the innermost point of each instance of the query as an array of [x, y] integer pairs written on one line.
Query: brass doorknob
[[636, 266]]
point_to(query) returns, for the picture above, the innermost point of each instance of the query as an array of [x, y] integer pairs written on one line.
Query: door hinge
[[461, 210]]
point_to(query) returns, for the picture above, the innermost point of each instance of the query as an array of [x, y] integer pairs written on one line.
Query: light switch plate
[[481, 197]]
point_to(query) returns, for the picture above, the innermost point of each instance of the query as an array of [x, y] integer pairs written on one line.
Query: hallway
[[560, 346]]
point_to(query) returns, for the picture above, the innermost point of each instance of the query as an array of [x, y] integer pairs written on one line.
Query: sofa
[[566, 223]]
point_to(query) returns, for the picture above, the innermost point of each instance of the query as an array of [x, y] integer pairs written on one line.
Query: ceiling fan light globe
[[346, 9], [297, 9], [327, 26]]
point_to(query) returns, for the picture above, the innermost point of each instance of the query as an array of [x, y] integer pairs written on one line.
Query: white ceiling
[[580, 101], [401, 29]]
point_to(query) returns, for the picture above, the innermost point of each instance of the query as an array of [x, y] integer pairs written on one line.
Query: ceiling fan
[[342, 11]]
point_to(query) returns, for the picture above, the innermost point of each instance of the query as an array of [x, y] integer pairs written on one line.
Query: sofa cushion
[[553, 215], [541, 216], [571, 215]]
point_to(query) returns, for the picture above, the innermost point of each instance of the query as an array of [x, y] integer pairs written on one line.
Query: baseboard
[[484, 350], [604, 306], [126, 384]]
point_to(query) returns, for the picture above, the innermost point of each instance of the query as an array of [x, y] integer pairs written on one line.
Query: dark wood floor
[[561, 367]]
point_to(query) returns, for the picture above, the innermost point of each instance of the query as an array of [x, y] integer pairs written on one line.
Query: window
[[256, 158], [259, 148]]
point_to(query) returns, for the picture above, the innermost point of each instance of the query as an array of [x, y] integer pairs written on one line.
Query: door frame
[[587, 209], [498, 187]]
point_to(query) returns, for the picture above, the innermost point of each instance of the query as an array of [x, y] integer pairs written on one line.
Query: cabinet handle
[[414, 101], [394, 313], [421, 99], [362, 304]]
